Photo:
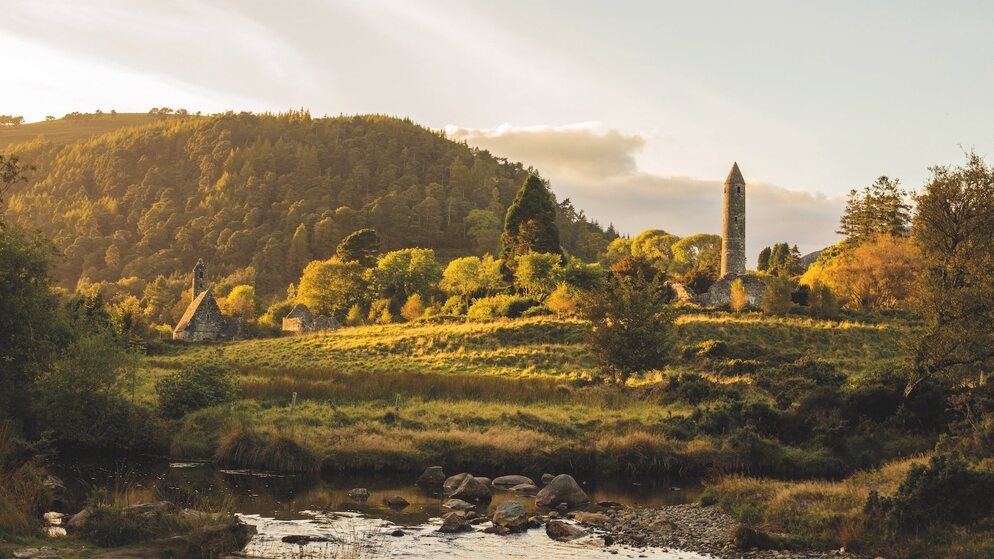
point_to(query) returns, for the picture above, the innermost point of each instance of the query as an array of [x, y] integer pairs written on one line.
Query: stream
[[318, 506]]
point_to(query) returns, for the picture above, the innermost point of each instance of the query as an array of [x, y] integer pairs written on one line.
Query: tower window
[[738, 189]]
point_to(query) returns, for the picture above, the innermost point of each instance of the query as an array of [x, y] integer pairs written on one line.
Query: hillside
[[68, 130], [235, 189]]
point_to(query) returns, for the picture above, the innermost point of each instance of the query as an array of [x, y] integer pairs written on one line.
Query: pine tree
[[300, 252], [363, 246], [879, 209], [530, 223], [764, 259]]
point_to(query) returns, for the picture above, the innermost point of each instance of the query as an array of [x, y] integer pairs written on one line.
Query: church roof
[[191, 310], [300, 310], [735, 176]]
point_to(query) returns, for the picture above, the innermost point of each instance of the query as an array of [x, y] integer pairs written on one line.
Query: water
[[280, 505]]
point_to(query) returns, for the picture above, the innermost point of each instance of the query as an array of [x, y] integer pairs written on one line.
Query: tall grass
[[22, 489]]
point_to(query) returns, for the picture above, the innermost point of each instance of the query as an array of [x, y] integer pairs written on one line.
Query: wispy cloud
[[597, 168]]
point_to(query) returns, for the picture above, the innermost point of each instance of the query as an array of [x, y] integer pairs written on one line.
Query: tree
[[31, 330], [11, 172], [300, 251], [656, 246], [402, 273], [632, 326], [764, 259], [483, 226], [821, 301], [331, 287], [776, 296], [362, 246], [616, 250], [413, 308], [564, 301], [198, 386], [530, 223], [241, 302], [879, 209], [702, 250], [537, 274], [879, 273], [953, 228]]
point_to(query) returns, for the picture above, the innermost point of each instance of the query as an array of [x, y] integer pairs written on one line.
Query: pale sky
[[634, 110]]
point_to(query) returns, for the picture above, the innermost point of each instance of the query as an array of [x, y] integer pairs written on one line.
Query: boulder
[[56, 491], [79, 520], [563, 532], [507, 482], [547, 479], [511, 515], [453, 482], [433, 477], [525, 489], [454, 522], [397, 502], [458, 504], [747, 538], [359, 494], [563, 490], [472, 490], [485, 480], [35, 553]]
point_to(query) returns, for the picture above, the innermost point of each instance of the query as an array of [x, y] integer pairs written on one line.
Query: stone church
[[203, 320]]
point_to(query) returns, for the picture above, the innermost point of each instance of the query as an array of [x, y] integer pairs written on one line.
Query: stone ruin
[[300, 320], [203, 321]]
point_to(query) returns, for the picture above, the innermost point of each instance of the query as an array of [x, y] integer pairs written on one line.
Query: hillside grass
[[489, 396], [62, 131]]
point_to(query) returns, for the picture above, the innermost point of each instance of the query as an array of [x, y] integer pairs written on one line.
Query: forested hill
[[260, 195]]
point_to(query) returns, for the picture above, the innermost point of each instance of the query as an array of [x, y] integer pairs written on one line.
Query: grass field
[[62, 131], [485, 395]]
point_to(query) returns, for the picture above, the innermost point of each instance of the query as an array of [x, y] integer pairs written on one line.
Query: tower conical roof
[[735, 176]]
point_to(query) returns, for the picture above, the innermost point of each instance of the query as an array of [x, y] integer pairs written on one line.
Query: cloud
[[597, 168]]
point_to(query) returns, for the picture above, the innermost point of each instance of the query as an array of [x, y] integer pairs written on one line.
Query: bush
[[947, 490], [739, 299], [454, 305], [201, 385], [413, 308], [777, 296], [540, 310], [507, 306]]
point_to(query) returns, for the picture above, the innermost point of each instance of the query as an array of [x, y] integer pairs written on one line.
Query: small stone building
[[300, 320], [720, 293], [202, 321]]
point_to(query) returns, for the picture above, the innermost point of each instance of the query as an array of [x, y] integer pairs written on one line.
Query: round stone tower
[[733, 231]]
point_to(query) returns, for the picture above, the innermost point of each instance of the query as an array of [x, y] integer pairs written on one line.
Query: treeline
[[259, 196]]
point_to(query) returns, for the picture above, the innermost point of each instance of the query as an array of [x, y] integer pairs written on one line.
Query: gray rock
[[485, 480], [512, 516], [472, 490], [453, 482], [147, 509], [35, 553], [454, 522], [458, 504], [397, 502], [433, 477], [547, 479], [563, 532], [359, 494], [507, 482], [525, 489], [563, 490], [79, 519]]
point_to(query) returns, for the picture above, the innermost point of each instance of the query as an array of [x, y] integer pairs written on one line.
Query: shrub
[[563, 301], [355, 317], [540, 310], [777, 296], [508, 306], [946, 490], [454, 305], [413, 308], [250, 449], [739, 300], [514, 307], [199, 386]]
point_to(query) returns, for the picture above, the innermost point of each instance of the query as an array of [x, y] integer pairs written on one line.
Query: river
[[318, 505]]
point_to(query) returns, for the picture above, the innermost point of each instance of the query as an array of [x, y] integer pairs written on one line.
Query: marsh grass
[[22, 491]]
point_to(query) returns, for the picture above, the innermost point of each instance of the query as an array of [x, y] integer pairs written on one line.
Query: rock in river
[[453, 482], [433, 477], [458, 504], [512, 516], [397, 502], [507, 482], [455, 522], [472, 490], [359, 494], [562, 490], [562, 532], [525, 489]]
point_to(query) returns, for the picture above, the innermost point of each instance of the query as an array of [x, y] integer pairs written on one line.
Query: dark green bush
[[199, 386], [540, 310], [514, 307], [947, 490]]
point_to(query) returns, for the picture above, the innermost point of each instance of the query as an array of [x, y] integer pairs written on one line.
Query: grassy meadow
[[63, 131], [497, 396]]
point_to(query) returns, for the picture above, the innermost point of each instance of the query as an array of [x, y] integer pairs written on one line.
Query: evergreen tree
[[530, 223], [879, 209], [363, 247], [764, 259], [300, 252]]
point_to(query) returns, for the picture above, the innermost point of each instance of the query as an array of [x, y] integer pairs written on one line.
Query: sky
[[635, 110]]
